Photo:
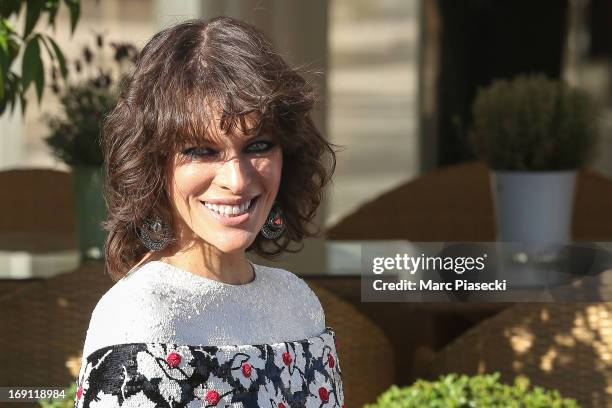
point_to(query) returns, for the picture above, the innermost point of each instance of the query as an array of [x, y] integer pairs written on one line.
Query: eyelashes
[[266, 145], [194, 152], [255, 147]]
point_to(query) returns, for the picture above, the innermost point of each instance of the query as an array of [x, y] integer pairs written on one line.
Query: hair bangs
[[209, 112]]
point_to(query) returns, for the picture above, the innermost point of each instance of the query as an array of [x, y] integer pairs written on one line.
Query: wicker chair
[[366, 354], [44, 327], [40, 201], [38, 215], [565, 346]]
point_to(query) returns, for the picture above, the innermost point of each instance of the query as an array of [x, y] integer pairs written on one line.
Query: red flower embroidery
[[324, 394], [173, 360], [331, 361], [212, 397], [287, 358], [281, 405], [79, 392], [246, 369]]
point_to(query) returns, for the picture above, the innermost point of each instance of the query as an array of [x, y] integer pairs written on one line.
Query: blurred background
[[400, 78]]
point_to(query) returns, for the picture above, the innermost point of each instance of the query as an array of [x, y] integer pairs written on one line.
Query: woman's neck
[[230, 268]]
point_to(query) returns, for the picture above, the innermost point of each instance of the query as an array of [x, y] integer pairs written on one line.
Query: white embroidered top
[[186, 322]]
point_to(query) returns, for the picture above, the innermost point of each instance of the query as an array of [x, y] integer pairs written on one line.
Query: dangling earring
[[154, 226], [274, 225]]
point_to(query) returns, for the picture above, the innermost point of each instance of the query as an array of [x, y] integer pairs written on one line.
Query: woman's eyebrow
[[257, 136], [245, 140], [208, 140], [252, 137], [269, 135]]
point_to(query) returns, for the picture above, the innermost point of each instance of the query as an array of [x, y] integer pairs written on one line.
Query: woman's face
[[222, 190]]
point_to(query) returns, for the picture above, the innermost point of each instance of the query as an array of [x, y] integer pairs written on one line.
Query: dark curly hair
[[182, 76]]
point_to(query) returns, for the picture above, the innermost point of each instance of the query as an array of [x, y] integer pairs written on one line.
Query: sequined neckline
[[195, 278]]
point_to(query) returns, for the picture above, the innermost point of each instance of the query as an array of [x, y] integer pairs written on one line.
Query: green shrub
[[454, 391], [533, 123], [66, 402]]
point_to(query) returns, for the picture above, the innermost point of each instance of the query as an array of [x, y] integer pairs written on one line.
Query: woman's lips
[[233, 220]]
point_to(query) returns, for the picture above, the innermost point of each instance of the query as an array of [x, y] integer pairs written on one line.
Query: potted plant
[[74, 136], [534, 133], [454, 390]]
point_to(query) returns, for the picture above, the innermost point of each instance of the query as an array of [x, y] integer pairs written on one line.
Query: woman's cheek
[[190, 181], [270, 167], [195, 178]]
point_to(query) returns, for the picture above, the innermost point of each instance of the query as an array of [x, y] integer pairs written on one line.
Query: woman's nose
[[235, 175]]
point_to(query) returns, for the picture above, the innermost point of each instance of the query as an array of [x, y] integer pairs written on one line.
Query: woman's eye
[[198, 152], [261, 146]]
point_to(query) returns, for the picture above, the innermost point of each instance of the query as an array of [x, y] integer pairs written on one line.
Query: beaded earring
[[154, 227], [274, 225]]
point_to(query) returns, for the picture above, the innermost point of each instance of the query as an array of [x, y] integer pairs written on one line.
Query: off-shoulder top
[[165, 337]]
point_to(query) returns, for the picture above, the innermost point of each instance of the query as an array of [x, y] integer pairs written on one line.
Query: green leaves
[[4, 62], [55, 53], [74, 6], [9, 7], [33, 9], [533, 123], [32, 68], [66, 402], [9, 48], [59, 56], [32, 65], [13, 86], [51, 8], [462, 391]]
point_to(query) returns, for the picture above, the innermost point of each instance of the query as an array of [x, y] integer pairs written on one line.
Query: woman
[[210, 153]]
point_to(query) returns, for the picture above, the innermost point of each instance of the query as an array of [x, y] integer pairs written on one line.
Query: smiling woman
[[212, 108], [221, 195], [210, 153]]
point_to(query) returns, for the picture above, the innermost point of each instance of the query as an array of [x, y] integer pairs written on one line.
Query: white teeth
[[229, 209]]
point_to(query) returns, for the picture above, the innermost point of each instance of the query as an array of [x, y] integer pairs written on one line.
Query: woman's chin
[[235, 243]]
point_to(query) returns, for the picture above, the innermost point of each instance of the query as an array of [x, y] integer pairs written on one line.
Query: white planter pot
[[533, 206], [533, 209]]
